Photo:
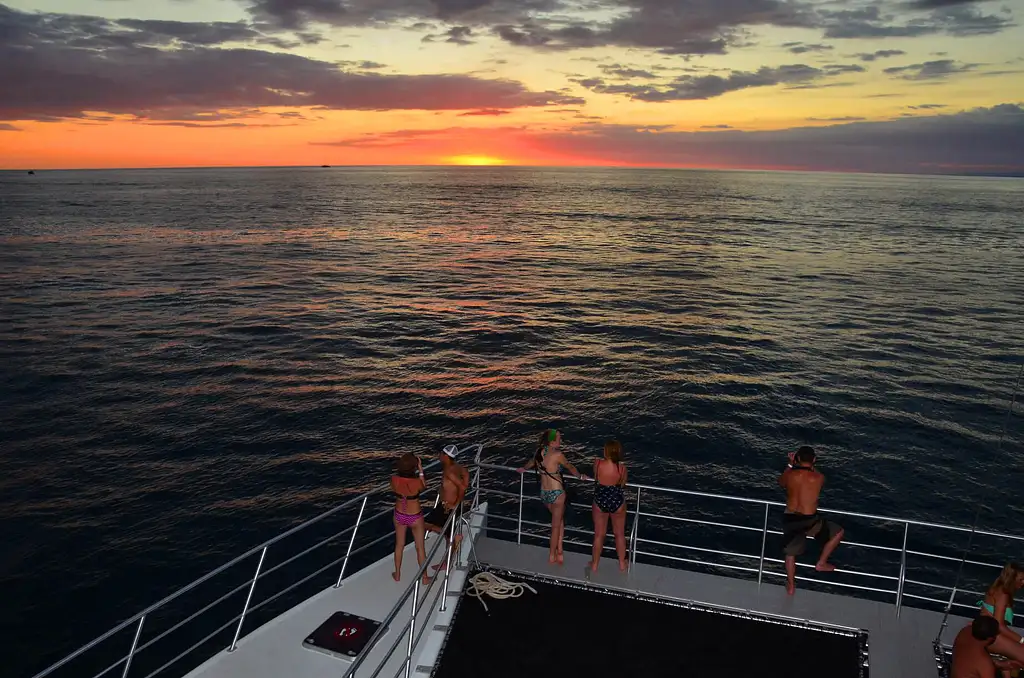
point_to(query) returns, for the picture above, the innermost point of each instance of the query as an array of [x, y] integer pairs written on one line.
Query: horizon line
[[981, 174]]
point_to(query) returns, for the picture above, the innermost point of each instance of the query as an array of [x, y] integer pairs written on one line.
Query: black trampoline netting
[[567, 630]]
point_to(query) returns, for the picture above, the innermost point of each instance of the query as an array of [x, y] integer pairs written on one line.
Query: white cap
[[451, 450]]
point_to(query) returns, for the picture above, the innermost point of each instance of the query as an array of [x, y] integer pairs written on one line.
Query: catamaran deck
[[559, 628], [276, 650], [898, 647], [889, 639]]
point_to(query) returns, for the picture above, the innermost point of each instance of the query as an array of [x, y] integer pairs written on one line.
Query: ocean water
[[193, 360]]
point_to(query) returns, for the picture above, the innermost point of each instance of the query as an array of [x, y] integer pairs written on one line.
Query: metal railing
[[884, 579], [81, 658], [408, 631], [756, 561]]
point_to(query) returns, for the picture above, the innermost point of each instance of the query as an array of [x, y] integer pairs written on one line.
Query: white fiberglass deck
[[275, 650], [898, 647]]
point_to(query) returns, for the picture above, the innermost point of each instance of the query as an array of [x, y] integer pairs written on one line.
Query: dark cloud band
[[65, 66]]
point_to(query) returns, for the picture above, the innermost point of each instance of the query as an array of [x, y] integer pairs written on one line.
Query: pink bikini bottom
[[407, 519]]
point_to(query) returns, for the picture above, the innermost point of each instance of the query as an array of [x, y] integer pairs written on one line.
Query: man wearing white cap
[[454, 481]]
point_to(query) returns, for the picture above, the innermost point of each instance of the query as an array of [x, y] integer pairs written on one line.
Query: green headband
[[552, 434]]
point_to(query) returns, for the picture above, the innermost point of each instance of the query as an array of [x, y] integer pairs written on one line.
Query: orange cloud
[[981, 140]]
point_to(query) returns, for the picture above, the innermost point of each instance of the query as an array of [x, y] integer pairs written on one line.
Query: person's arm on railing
[[572, 469], [527, 466]]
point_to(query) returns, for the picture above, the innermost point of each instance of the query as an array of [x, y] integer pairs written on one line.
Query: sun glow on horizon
[[471, 90], [479, 160]]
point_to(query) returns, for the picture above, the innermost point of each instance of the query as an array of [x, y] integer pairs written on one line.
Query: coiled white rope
[[486, 584]]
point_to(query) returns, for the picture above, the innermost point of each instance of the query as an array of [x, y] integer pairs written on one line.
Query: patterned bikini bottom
[[407, 519], [550, 496], [608, 497]]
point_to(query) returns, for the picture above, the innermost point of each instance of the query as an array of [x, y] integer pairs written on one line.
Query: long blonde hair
[[1007, 580]]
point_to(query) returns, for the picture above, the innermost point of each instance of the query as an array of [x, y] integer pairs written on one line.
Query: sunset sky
[[891, 85]]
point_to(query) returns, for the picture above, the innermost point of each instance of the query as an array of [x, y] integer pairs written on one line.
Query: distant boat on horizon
[[324, 165], [31, 171]]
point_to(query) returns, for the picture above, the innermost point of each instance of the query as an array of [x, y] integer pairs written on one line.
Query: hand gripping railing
[[138, 621], [643, 493]]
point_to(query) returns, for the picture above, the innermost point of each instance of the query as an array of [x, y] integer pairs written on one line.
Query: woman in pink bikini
[[609, 501], [407, 484]]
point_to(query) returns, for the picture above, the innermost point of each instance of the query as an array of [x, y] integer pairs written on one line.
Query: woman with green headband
[[549, 462]]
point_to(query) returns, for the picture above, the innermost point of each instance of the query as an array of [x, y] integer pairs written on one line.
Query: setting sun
[[474, 160]]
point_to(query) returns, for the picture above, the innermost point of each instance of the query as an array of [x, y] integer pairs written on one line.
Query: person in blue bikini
[[998, 603], [549, 462]]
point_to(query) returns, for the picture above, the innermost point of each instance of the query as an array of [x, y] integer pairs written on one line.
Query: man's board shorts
[[796, 527], [438, 515]]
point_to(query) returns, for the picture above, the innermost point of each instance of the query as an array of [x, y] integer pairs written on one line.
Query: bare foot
[[552, 559], [593, 566], [623, 566], [824, 567], [790, 588], [427, 580], [397, 576], [438, 566], [561, 559]]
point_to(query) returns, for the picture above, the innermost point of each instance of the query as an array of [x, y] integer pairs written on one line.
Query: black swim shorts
[[796, 527], [438, 515]]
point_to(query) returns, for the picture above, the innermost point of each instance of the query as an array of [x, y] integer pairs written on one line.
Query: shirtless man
[[454, 481], [801, 520], [970, 651]]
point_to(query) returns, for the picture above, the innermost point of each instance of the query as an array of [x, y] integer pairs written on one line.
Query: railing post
[[519, 525], [764, 541], [248, 599], [135, 643], [412, 628], [448, 562], [476, 477], [352, 539], [903, 570], [636, 529]]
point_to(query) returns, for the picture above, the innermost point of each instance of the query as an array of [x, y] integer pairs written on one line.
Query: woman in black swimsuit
[[609, 501]]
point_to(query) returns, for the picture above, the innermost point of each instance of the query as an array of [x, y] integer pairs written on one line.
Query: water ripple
[[191, 360]]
